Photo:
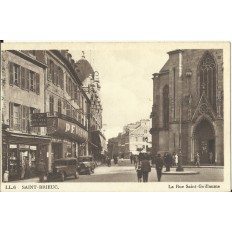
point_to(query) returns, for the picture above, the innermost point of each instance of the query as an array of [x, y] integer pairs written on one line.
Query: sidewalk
[[30, 180]]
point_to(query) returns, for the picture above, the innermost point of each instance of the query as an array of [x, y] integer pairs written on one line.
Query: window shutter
[[27, 118], [61, 79], [23, 80], [19, 75], [71, 89], [38, 111], [67, 83], [23, 113], [11, 79], [11, 114], [64, 107], [55, 74], [49, 69], [37, 83], [20, 117], [27, 79]]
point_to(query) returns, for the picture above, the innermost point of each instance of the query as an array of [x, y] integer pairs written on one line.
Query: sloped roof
[[85, 69], [139, 130], [165, 67]]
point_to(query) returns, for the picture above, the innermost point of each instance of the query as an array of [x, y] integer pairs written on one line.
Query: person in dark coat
[[146, 168], [139, 173], [159, 166], [41, 168], [168, 161], [131, 158]]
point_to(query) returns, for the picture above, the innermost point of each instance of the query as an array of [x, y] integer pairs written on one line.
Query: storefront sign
[[63, 127], [39, 120], [13, 146]]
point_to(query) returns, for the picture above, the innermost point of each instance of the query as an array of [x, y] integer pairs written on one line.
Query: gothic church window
[[208, 78]]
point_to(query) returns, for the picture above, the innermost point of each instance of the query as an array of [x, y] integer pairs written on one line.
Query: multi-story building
[[134, 139], [67, 106], [187, 110], [47, 111], [23, 76], [139, 136], [91, 86]]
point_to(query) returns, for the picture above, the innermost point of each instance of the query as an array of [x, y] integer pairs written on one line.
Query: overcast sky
[[125, 77]]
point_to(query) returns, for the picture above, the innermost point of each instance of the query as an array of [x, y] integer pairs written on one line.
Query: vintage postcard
[[145, 116]]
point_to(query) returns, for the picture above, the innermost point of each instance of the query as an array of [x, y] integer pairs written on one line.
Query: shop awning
[[27, 139], [99, 139]]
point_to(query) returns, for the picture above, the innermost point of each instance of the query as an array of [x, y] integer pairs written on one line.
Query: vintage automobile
[[62, 168], [86, 165]]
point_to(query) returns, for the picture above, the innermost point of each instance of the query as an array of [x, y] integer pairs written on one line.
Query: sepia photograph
[[107, 116]]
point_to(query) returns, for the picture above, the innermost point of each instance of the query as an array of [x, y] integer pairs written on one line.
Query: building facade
[[47, 111], [134, 139], [23, 76], [187, 110], [91, 87], [67, 107]]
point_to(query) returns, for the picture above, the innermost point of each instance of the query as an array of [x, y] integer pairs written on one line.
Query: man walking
[[146, 168], [159, 166], [41, 170]]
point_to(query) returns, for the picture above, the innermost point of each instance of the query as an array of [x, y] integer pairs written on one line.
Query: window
[[16, 117], [50, 70], [136, 139], [145, 131], [208, 78], [14, 74], [59, 106], [68, 109], [32, 81], [25, 118], [61, 78], [165, 106], [20, 116], [51, 104], [24, 78]]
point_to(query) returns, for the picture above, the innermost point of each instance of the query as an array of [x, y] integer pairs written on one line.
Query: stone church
[[187, 111]]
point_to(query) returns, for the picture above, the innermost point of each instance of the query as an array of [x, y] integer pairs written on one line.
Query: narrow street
[[125, 172]]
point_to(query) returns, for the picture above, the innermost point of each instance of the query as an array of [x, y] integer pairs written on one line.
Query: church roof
[[165, 67], [85, 69]]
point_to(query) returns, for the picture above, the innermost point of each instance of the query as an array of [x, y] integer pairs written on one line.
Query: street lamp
[[179, 167]]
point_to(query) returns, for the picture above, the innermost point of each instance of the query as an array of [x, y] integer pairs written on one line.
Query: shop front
[[21, 154], [99, 145], [68, 138]]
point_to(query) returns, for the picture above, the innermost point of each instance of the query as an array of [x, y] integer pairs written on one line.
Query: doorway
[[204, 141], [57, 150]]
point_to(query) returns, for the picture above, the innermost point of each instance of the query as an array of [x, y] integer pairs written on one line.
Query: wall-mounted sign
[[62, 127], [39, 120]]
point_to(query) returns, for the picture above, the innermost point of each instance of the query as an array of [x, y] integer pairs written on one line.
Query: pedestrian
[[108, 161], [27, 168], [115, 160], [159, 166], [197, 158], [6, 176], [168, 161], [23, 168], [146, 168], [176, 159], [139, 173], [136, 161], [131, 158], [211, 157], [41, 168]]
